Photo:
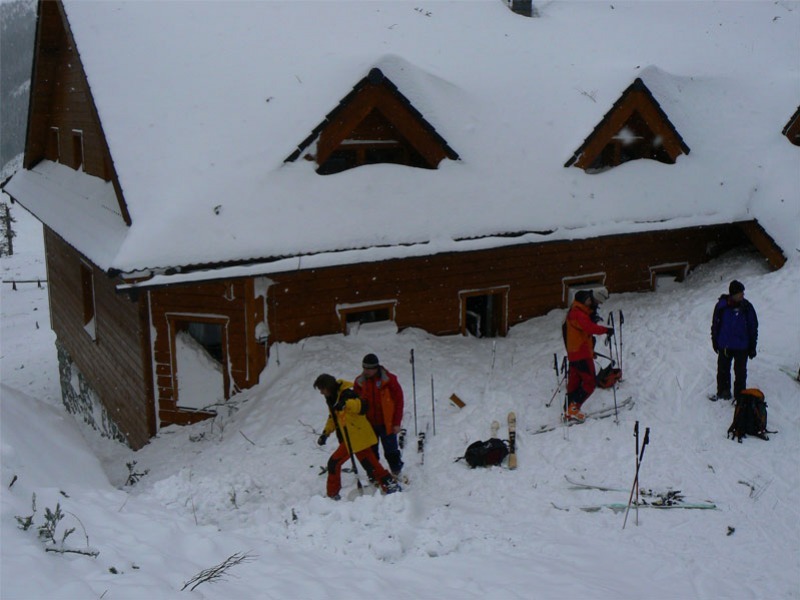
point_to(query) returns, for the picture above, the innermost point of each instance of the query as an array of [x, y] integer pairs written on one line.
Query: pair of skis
[[512, 438], [649, 498]]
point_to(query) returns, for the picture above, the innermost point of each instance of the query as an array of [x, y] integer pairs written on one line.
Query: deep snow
[[248, 481]]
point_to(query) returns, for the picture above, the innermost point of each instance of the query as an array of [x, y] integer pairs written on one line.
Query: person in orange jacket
[[384, 396], [580, 331], [356, 437]]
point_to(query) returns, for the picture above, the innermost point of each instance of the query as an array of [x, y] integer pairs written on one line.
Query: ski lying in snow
[[618, 507], [512, 440], [600, 413], [793, 374], [656, 499]]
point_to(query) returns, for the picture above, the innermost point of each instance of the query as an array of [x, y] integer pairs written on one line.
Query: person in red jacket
[[384, 397], [580, 331]]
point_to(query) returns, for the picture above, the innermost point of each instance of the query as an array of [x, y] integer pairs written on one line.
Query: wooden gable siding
[[764, 243], [117, 362], [792, 129], [60, 97], [427, 289], [234, 302]]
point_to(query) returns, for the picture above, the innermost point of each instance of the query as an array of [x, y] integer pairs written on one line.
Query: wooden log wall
[[302, 304], [61, 99], [117, 361]]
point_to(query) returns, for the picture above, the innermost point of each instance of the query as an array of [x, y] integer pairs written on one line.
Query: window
[[77, 149], [634, 140], [52, 150], [571, 285], [484, 313], [200, 368], [353, 316], [666, 276], [87, 292], [374, 141]]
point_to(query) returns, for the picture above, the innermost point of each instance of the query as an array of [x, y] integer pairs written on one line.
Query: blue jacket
[[734, 326]]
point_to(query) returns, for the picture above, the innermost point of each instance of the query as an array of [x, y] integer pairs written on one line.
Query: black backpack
[[486, 454], [749, 416]]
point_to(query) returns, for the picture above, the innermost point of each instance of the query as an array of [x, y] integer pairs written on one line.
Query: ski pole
[[621, 322], [558, 381], [645, 441], [414, 390], [609, 341], [346, 437], [636, 457], [433, 407]]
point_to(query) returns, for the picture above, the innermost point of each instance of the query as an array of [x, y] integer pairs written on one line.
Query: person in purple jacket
[[734, 335]]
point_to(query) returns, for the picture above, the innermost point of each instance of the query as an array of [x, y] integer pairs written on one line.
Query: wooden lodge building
[[184, 240]]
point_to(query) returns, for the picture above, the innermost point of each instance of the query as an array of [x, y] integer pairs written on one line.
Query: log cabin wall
[[303, 303], [61, 100], [116, 362], [232, 303]]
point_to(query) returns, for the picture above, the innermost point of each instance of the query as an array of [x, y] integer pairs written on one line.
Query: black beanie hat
[[370, 362], [735, 287], [583, 295]]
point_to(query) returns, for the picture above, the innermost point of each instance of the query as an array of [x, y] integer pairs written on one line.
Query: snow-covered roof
[[202, 102]]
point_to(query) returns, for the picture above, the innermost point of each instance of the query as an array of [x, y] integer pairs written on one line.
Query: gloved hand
[[610, 331], [752, 353], [321, 440]]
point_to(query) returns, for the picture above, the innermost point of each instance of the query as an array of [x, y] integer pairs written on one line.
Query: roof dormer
[[792, 129], [635, 127], [373, 124]]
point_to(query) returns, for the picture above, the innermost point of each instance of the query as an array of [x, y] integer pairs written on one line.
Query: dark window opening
[[208, 335], [374, 141], [368, 316], [484, 315], [77, 149], [87, 293], [52, 150]]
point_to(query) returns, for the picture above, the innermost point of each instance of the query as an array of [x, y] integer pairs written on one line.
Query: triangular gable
[[792, 129], [374, 123], [57, 67], [635, 127]]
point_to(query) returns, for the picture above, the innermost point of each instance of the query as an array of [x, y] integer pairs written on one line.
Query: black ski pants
[[739, 359]]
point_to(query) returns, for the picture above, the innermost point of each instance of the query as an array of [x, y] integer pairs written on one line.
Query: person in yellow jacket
[[356, 437]]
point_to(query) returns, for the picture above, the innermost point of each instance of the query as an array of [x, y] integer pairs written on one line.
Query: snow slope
[[248, 481]]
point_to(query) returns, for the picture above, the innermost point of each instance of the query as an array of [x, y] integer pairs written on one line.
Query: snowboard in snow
[[512, 440], [601, 413]]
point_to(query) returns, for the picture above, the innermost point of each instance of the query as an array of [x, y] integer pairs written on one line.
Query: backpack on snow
[[608, 376], [749, 416], [486, 454]]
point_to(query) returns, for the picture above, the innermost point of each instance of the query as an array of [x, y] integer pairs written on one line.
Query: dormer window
[[374, 124], [634, 128]]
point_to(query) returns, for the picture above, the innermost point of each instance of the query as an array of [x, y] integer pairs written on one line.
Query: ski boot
[[574, 413]]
